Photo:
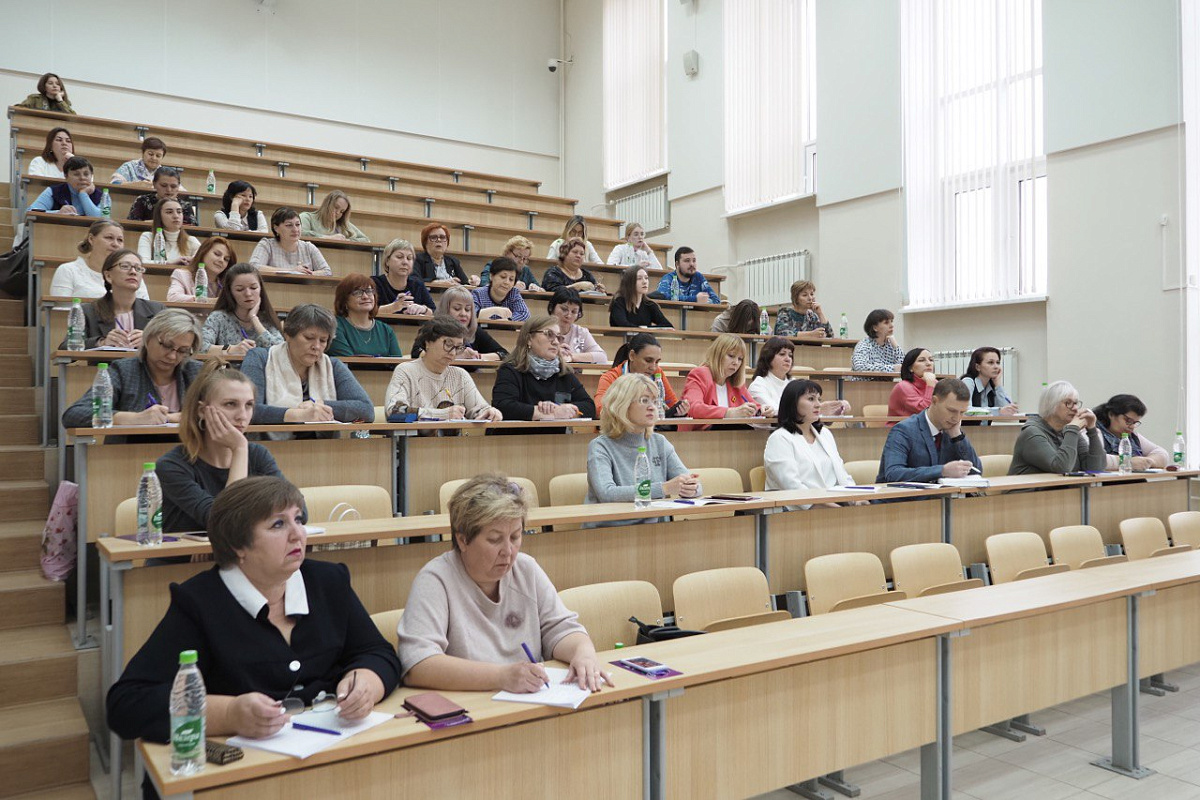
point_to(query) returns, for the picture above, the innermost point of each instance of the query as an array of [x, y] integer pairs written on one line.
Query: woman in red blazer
[[716, 389], [914, 392]]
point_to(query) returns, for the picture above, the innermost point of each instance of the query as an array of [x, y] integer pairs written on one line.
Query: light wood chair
[[875, 411], [758, 479], [450, 487], [931, 568], [1185, 527], [605, 608], [841, 581], [1079, 547], [568, 490], [386, 622], [381, 413], [720, 480], [719, 599], [863, 472], [126, 518], [995, 466], [333, 503], [1018, 556], [1146, 537]]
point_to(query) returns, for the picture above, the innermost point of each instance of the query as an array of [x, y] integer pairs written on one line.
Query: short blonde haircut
[[519, 357], [481, 501], [458, 293], [722, 346], [517, 243], [1054, 394], [393, 246], [169, 323], [802, 286], [623, 393]]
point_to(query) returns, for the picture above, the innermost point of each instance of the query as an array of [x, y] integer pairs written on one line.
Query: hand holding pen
[[524, 677]]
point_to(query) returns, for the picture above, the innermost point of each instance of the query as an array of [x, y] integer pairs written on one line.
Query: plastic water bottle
[[188, 702], [75, 326], [843, 326], [1178, 450], [160, 246], [201, 282], [661, 401], [149, 507], [764, 322], [1125, 455], [675, 287], [641, 480], [212, 182], [105, 204], [102, 398]]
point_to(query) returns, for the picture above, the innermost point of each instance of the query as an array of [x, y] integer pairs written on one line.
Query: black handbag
[[14, 271], [660, 633]]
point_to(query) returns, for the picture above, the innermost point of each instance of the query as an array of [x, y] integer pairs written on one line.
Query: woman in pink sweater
[[914, 392]]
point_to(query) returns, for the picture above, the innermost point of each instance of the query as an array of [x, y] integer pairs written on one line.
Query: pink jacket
[[908, 398], [701, 393]]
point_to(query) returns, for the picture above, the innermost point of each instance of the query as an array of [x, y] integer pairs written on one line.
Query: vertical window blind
[[974, 153], [634, 53], [770, 101]]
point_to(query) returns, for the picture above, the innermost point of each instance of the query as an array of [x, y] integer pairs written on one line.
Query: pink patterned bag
[[58, 537]]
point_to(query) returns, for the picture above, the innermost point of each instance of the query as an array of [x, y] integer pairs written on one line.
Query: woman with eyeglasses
[[434, 265], [458, 304], [519, 249], [359, 333], [243, 317], [270, 627], [1062, 438], [148, 389], [118, 318], [1120, 414], [566, 306], [431, 386], [535, 382]]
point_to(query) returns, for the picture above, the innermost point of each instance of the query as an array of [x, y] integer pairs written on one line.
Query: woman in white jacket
[[802, 453]]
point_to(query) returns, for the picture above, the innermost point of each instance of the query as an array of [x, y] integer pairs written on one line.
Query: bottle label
[[157, 519], [643, 489], [187, 738], [201, 291], [1178, 457]]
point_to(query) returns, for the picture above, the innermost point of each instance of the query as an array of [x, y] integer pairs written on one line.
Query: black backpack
[[14, 270], [660, 633]]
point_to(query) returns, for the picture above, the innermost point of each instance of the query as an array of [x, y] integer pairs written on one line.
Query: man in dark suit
[[931, 445]]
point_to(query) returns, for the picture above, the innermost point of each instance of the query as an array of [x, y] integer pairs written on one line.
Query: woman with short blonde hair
[[715, 389]]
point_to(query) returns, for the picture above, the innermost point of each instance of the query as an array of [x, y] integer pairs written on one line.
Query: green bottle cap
[[102, 365], [148, 465], [641, 449], [188, 657], [76, 300], [618, 645]]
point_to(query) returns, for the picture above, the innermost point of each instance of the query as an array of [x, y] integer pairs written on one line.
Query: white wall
[[695, 105], [436, 82]]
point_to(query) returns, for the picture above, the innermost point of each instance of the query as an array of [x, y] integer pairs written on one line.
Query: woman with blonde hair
[[214, 452], [535, 382], [519, 249], [458, 303], [634, 251], [716, 389], [331, 220], [576, 228], [81, 278], [627, 425], [398, 289]]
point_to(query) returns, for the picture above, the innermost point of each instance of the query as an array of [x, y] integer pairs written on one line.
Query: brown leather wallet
[[431, 706]]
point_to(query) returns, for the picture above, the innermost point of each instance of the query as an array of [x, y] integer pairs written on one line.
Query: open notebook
[[559, 694]]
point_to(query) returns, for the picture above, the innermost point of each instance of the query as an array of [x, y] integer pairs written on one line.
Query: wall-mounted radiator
[[649, 208], [955, 362], [769, 279]]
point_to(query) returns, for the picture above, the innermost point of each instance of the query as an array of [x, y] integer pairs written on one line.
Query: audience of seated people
[[166, 184], [775, 359], [1064, 436], [576, 228], [570, 272], [519, 249], [359, 333], [78, 196], [82, 277], [398, 289], [501, 299], [457, 303], [139, 172], [242, 317]]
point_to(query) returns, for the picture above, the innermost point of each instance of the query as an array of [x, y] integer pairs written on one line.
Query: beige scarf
[[284, 386]]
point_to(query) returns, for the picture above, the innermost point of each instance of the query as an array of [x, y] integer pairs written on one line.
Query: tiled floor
[[1057, 766], [1054, 767]]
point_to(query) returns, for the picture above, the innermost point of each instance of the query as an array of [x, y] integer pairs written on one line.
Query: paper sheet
[[302, 744], [561, 695]]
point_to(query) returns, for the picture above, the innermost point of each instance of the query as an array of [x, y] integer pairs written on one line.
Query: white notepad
[[302, 744], [560, 694]]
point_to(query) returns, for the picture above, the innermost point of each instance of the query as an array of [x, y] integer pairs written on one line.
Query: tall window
[[770, 102], [634, 93], [974, 153]]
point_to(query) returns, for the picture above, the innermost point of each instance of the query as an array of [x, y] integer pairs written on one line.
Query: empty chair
[[931, 568], [1185, 527], [840, 581], [1017, 556], [720, 480], [335, 503], [605, 608], [450, 487], [863, 472], [875, 411], [568, 490], [758, 479], [995, 466], [386, 622], [1146, 537], [719, 599], [126, 518], [1080, 546]]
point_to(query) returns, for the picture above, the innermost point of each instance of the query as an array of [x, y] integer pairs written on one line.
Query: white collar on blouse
[[295, 595]]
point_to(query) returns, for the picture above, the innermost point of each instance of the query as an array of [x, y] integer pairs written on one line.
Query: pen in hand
[[532, 660]]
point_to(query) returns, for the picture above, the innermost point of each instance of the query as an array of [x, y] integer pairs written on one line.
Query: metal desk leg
[[401, 459], [936, 758], [683, 318], [947, 521], [82, 640], [654, 744], [762, 558], [61, 436], [1125, 756], [841, 388], [1085, 504], [112, 626]]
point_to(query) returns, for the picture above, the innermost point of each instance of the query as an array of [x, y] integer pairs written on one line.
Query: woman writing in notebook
[[471, 610]]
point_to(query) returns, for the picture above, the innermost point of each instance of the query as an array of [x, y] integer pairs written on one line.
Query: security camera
[[552, 64]]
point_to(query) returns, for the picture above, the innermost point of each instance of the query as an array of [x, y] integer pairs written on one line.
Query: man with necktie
[[931, 445]]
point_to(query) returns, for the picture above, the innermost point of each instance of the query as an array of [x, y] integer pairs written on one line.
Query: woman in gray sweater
[[1063, 438], [627, 423]]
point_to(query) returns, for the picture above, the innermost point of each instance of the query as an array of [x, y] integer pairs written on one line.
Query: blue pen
[[532, 660], [314, 729], [150, 401], [686, 502]]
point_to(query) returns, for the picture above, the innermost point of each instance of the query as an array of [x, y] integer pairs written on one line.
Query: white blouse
[[792, 463]]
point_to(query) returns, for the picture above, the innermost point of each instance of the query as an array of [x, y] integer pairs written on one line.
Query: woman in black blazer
[[435, 241], [118, 318]]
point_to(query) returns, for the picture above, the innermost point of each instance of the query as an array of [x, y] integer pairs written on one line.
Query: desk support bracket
[[947, 521], [762, 557], [654, 749], [1125, 755], [82, 640], [936, 757]]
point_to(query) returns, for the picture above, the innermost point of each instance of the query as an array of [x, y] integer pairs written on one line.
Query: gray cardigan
[[610, 469], [131, 384], [352, 402], [1040, 448], [223, 330]]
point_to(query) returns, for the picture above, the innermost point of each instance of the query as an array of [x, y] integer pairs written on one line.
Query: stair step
[[22, 463], [36, 664], [17, 400], [13, 338], [20, 429], [20, 545], [12, 312], [28, 599], [43, 745], [16, 369], [25, 500]]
